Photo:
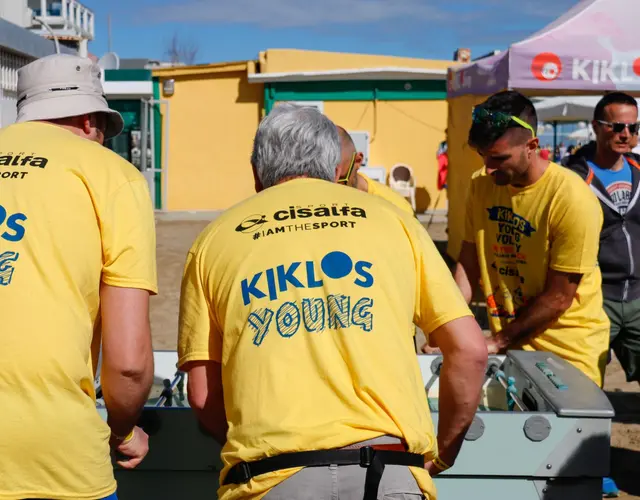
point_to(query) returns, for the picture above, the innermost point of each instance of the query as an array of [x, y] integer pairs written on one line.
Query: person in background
[[531, 239], [348, 171], [77, 255], [317, 307], [612, 172], [544, 154]]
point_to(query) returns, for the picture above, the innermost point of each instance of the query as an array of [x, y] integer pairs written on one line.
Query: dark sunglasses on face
[[498, 119], [618, 127]]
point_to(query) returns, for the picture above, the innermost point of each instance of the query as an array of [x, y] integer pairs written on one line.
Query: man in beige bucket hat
[[77, 267]]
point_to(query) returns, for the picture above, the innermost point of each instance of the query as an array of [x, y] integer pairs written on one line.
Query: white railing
[[9, 65], [68, 15]]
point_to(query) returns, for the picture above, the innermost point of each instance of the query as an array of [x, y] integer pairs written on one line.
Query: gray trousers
[[345, 482]]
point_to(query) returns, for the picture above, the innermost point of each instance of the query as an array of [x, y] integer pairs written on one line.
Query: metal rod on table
[[495, 372]]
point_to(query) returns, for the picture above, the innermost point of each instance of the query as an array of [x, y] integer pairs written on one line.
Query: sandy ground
[[175, 238]]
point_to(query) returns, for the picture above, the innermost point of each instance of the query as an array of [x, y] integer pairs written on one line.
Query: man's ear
[[256, 179], [359, 158], [86, 124]]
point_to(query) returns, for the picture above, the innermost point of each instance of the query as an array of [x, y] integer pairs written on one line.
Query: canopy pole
[[555, 136]]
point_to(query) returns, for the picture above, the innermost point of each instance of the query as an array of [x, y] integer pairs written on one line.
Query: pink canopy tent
[[592, 48]]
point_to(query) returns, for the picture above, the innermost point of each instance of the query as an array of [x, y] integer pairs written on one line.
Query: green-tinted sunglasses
[[499, 119]]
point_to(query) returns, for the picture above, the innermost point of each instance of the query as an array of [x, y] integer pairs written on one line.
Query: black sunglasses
[[618, 127]]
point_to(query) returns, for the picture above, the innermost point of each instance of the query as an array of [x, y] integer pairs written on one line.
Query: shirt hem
[[574, 270], [443, 320], [196, 356], [125, 283], [60, 496]]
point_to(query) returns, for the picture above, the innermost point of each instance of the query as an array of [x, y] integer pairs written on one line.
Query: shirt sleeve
[[438, 298], [129, 238], [199, 339], [576, 221]]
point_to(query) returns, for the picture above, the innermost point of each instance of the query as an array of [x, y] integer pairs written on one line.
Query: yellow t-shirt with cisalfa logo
[[71, 213], [522, 233], [378, 189], [307, 294]]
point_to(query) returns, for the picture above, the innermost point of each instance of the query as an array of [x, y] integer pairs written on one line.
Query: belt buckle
[[244, 472], [366, 456]]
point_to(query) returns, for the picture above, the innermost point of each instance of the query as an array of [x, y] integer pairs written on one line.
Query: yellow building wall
[[213, 118], [288, 60], [214, 113], [401, 132], [463, 161]]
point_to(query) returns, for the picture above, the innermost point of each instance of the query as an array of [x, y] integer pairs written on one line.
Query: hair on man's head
[[509, 102], [295, 141], [612, 98]]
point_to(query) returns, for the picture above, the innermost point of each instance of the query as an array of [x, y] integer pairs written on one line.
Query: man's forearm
[[458, 401], [533, 318], [214, 422], [125, 395]]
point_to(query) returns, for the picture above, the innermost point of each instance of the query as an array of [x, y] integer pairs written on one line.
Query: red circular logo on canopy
[[636, 66], [546, 67]]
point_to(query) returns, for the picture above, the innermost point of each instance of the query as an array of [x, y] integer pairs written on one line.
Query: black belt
[[368, 457]]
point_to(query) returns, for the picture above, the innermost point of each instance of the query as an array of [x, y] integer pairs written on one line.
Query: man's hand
[[136, 449], [545, 309], [427, 349], [497, 344]]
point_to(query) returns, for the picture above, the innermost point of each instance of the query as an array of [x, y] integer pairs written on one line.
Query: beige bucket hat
[[61, 86]]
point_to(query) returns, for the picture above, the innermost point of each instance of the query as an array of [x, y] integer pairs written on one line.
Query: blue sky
[[229, 30]]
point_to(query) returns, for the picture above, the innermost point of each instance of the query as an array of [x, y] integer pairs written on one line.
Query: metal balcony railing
[[66, 17]]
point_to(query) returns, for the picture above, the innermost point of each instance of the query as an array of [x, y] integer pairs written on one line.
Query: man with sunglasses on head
[[77, 262], [612, 172], [531, 240], [348, 172]]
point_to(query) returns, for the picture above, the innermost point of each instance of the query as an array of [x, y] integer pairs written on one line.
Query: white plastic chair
[[402, 181], [375, 173]]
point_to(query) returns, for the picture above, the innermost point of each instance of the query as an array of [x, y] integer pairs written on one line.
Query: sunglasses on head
[[345, 179], [618, 127], [499, 120]]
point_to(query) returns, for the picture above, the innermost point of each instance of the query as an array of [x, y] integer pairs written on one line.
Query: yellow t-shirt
[[378, 189], [71, 213], [307, 293], [520, 234]]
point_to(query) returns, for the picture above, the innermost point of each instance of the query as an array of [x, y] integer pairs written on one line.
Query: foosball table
[[542, 431]]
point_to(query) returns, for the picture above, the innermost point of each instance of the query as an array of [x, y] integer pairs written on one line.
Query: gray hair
[[295, 141]]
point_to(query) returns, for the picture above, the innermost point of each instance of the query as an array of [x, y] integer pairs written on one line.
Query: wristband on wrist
[[440, 464], [126, 439]]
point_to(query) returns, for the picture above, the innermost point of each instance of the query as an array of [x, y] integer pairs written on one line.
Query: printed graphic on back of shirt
[[11, 231], [311, 314]]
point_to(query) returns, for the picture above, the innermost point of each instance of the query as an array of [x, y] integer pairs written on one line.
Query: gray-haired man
[[298, 305], [77, 255]]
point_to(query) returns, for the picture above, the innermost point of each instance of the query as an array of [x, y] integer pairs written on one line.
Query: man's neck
[[609, 160], [292, 178], [535, 172]]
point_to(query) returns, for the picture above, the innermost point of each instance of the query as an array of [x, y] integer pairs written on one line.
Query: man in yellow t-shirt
[[296, 329], [348, 172], [77, 255], [531, 239]]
